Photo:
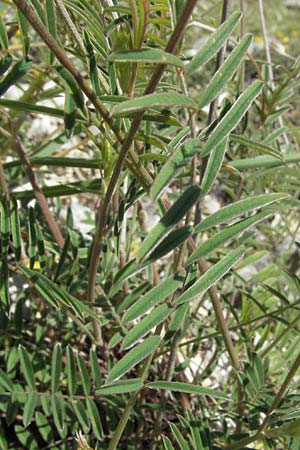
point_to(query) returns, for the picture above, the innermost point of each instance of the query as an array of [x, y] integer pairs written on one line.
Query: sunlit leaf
[[133, 357]]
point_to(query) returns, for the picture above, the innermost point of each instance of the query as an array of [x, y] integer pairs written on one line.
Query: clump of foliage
[[181, 334]]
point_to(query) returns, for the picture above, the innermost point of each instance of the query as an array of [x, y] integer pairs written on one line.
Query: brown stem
[[39, 195], [3, 183]]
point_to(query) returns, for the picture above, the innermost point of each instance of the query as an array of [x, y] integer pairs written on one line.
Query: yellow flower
[[259, 40], [279, 34], [36, 265]]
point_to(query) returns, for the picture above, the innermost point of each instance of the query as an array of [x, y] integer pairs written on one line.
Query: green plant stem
[[221, 321], [103, 209], [127, 411]]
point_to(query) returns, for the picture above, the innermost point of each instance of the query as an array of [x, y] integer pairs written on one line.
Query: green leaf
[[213, 43], [175, 386], [30, 107], [154, 296], [264, 162], [167, 443], [4, 225], [213, 274], [174, 165], [92, 186], [15, 228], [225, 72], [51, 24], [115, 339], [128, 270], [146, 55], [94, 418], [233, 116], [160, 100], [213, 167], [6, 382], [223, 236], [4, 287], [256, 146], [26, 438], [92, 63], [177, 319], [195, 431], [81, 414], [5, 64], [70, 114], [120, 387], [70, 84], [56, 295], [238, 209], [62, 259], [18, 70], [133, 357], [26, 367], [44, 427], [183, 445], [132, 297], [172, 241], [155, 317], [85, 379], [32, 237], [71, 371], [3, 35], [177, 211], [29, 408], [39, 10], [55, 368], [94, 363], [58, 411]]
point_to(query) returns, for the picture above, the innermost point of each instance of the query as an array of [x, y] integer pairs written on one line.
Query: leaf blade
[[233, 116], [238, 208], [225, 72], [133, 357], [213, 43], [187, 388], [160, 100], [213, 274]]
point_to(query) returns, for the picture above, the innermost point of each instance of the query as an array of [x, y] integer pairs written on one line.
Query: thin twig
[[64, 13], [268, 57], [39, 195], [219, 62]]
